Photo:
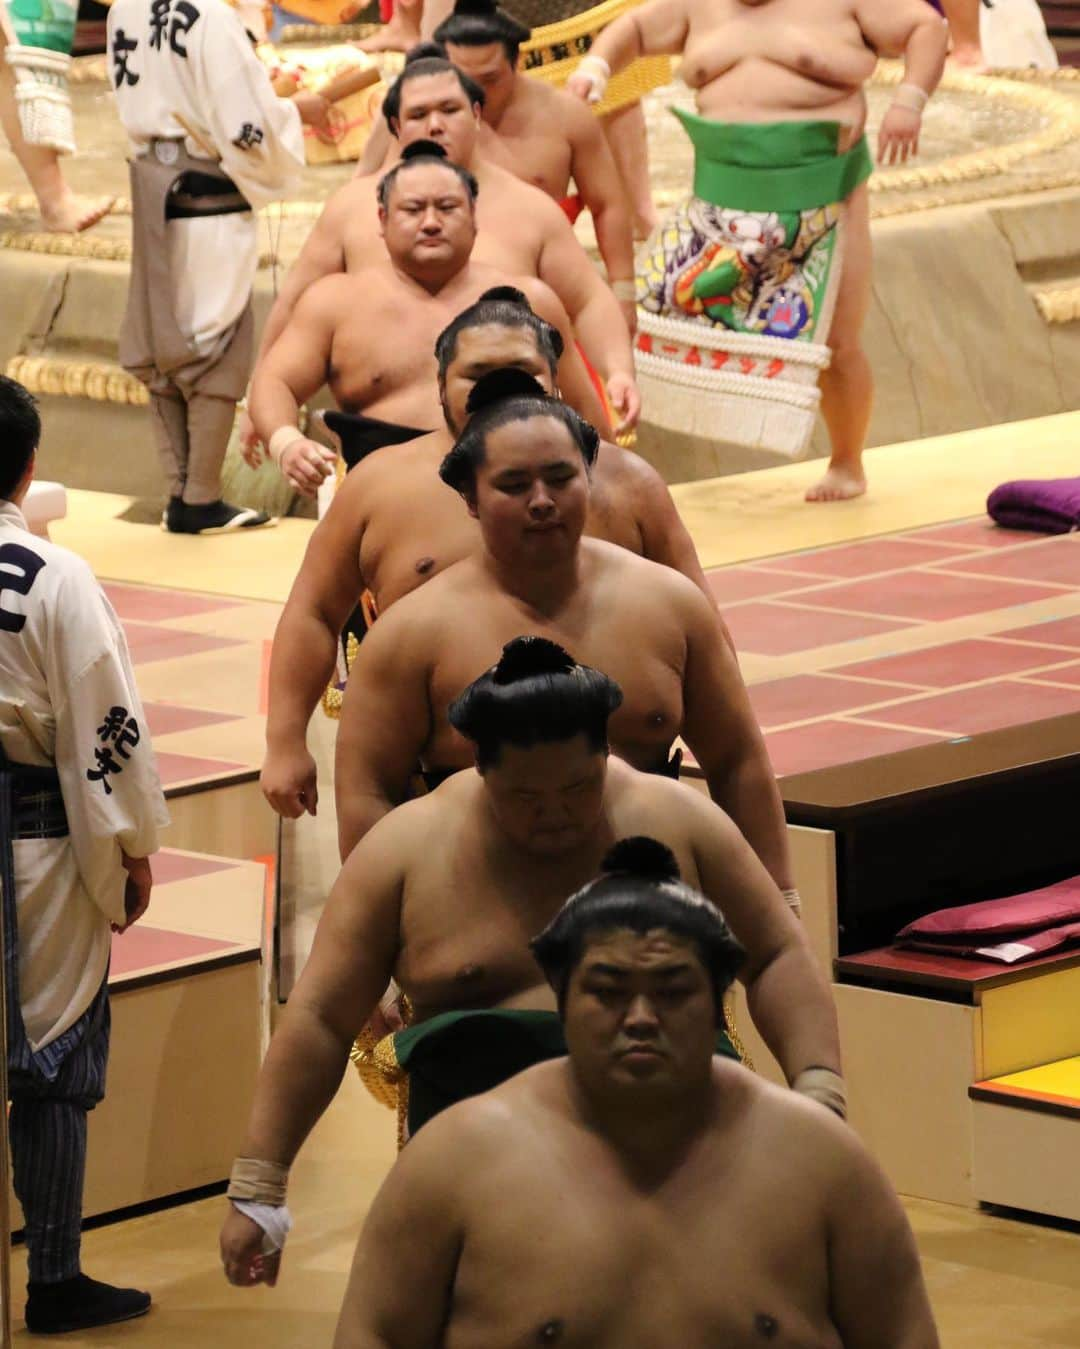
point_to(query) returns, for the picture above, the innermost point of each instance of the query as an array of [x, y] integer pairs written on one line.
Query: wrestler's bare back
[[780, 59], [627, 618], [728, 1250], [455, 861]]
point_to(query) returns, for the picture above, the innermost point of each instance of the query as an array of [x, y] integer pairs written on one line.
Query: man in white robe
[[80, 809], [212, 143]]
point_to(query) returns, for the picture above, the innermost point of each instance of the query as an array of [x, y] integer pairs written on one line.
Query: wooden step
[[1025, 1136]]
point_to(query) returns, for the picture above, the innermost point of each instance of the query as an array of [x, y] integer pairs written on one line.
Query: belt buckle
[[166, 152]]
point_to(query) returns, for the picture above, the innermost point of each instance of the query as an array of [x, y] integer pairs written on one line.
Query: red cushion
[[1049, 907]]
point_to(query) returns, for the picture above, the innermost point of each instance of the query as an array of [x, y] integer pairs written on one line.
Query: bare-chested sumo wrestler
[[338, 331], [522, 466], [544, 135], [393, 525], [520, 230], [643, 1191], [779, 158], [446, 892]]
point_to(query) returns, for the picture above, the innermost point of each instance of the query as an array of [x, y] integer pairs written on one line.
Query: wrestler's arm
[[402, 1279], [665, 539], [304, 652], [351, 961], [913, 29], [877, 1296], [788, 996], [575, 386], [722, 732], [597, 178], [385, 720], [594, 311], [293, 370], [655, 29]]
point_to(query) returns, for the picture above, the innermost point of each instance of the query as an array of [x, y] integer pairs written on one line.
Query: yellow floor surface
[[735, 519]]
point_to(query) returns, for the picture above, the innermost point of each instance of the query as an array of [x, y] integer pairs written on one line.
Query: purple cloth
[[1049, 506]]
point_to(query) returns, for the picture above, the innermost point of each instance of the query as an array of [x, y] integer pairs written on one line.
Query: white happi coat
[[65, 680], [186, 68]]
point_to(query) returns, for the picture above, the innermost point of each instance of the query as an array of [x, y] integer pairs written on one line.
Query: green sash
[[773, 166], [44, 23]]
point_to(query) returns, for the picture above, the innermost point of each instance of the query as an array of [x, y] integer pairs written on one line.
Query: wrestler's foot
[[398, 35], [838, 484], [968, 59], [215, 517], [78, 1303], [73, 214]]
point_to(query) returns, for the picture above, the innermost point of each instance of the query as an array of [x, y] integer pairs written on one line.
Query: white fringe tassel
[[743, 406], [42, 96]]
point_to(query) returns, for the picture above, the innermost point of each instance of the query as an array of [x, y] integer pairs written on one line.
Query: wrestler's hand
[[315, 112], [898, 138], [136, 890], [306, 464], [251, 447], [242, 1252], [625, 399], [588, 84], [289, 781]]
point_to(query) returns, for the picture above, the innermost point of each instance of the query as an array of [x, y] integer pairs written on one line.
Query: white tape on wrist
[[793, 900], [825, 1087], [910, 96], [274, 1219], [624, 290], [280, 441], [597, 71]]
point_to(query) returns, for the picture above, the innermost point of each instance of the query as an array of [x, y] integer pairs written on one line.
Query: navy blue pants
[[47, 1128]]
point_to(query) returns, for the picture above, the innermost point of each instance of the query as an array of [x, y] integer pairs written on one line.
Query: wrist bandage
[[597, 71], [257, 1182], [624, 290], [281, 440], [793, 900], [910, 96], [825, 1087], [274, 1219]]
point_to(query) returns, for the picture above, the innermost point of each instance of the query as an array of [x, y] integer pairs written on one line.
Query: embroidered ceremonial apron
[[736, 289], [168, 183]]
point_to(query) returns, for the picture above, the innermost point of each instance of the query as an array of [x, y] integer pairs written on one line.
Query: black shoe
[[78, 1303], [172, 515], [216, 517]]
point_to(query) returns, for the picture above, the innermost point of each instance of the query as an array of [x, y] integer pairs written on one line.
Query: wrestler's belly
[[542, 161], [413, 403], [428, 1001], [448, 752], [758, 90]]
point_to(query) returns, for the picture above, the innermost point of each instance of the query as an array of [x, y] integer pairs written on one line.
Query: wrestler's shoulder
[[610, 560], [426, 612]]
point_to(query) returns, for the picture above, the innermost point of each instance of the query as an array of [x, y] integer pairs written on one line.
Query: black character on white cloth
[[123, 49], [177, 19], [249, 136], [119, 734]]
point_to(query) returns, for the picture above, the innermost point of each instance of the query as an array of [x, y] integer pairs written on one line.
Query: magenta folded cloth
[[996, 919], [1049, 506]]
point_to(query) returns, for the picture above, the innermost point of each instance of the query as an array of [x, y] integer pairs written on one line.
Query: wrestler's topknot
[[423, 150], [498, 385], [507, 295], [640, 856], [638, 890], [425, 51], [500, 307], [477, 23], [525, 657]]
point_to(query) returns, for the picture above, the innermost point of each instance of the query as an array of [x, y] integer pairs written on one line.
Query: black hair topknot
[[527, 657], [475, 7], [477, 23], [508, 294], [425, 51], [646, 858], [423, 150], [497, 385]]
